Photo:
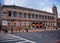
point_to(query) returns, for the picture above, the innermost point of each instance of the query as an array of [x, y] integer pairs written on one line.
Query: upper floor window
[[42, 16], [36, 16], [29, 16], [45, 17], [15, 14], [32, 15], [20, 14], [39, 16], [9, 13], [52, 18], [48, 17], [24, 15]]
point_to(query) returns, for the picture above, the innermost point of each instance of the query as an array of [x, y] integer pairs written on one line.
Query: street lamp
[[12, 26]]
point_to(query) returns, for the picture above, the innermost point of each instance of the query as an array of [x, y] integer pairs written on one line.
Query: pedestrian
[[5, 30], [0, 28], [26, 30], [56, 28]]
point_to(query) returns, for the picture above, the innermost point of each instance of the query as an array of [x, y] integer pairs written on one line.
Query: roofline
[[25, 8]]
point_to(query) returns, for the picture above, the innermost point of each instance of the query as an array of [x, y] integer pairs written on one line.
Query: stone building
[[58, 24], [16, 17]]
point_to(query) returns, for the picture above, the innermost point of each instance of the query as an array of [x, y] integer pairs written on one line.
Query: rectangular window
[[14, 24]]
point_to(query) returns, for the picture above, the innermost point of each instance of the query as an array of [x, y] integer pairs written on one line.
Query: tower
[[54, 9], [55, 13]]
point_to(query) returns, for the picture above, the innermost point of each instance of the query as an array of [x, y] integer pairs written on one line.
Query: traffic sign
[[4, 22]]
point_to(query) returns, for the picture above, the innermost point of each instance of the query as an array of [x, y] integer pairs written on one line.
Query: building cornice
[[24, 8]]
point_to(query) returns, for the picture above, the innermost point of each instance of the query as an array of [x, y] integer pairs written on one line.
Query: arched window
[[9, 13], [32, 15], [36, 16], [29, 16], [42, 16], [24, 15], [20, 14], [39, 16], [45, 17], [15, 14], [48, 17]]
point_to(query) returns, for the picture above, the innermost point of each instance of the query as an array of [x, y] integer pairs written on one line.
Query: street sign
[[4, 22]]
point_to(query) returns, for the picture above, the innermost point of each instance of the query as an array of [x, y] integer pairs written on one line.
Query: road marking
[[22, 39], [17, 39]]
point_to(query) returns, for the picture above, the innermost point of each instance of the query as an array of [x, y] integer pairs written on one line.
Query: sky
[[45, 5], [1, 1]]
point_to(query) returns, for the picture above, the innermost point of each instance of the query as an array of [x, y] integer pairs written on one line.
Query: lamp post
[[12, 26]]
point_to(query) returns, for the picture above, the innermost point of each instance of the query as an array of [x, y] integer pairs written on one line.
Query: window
[[50, 17], [36, 16], [9, 24], [24, 15], [20, 14], [14, 24], [9, 13], [46, 17], [29, 16], [15, 14], [32, 15], [42, 16], [39, 16]]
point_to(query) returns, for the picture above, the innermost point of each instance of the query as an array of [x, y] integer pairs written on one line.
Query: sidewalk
[[35, 30], [31, 30]]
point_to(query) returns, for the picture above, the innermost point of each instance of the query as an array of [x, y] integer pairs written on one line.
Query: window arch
[[20, 13], [29, 16], [36, 16], [15, 14], [32, 15], [9, 13], [39, 16], [24, 15]]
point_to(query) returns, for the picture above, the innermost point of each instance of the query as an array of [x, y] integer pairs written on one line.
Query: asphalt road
[[9, 38], [41, 37]]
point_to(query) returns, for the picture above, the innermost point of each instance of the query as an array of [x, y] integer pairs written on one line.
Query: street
[[41, 37], [31, 37]]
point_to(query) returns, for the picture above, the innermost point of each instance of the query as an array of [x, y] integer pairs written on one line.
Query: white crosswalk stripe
[[18, 39]]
